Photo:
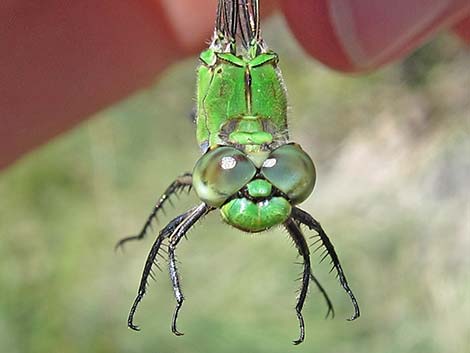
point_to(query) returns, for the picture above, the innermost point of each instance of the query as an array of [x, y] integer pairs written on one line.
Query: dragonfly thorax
[[240, 100]]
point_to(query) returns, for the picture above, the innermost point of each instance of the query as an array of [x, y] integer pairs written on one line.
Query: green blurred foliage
[[391, 150]]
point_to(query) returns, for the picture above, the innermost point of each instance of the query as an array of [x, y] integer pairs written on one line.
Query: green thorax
[[241, 100]]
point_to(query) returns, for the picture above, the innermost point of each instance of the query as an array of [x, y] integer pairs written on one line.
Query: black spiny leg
[[329, 304], [177, 235], [306, 219], [151, 260], [302, 247], [179, 184]]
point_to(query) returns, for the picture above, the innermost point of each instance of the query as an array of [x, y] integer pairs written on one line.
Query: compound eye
[[291, 170], [220, 173]]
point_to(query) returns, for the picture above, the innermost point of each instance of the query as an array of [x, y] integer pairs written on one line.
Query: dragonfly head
[[250, 197]]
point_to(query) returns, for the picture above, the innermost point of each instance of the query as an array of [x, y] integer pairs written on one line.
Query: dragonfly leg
[[151, 260], [306, 219], [183, 181], [329, 304], [178, 234], [302, 247]]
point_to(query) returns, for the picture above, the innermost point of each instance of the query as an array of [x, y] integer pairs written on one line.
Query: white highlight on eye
[[269, 163], [228, 163]]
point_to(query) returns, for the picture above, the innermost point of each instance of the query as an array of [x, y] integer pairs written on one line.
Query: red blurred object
[[357, 35], [462, 29], [61, 61]]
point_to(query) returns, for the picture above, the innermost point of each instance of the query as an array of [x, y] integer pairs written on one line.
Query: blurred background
[[392, 154]]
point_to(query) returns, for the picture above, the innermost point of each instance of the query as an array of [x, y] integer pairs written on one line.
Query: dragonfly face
[[254, 194]]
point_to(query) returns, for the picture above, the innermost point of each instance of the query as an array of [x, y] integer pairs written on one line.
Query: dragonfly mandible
[[250, 171]]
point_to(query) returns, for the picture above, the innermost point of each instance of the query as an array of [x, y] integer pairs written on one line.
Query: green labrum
[[256, 217]]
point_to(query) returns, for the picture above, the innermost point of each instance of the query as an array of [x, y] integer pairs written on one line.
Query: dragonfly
[[250, 171]]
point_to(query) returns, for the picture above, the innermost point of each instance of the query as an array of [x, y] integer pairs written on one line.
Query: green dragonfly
[[249, 170]]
